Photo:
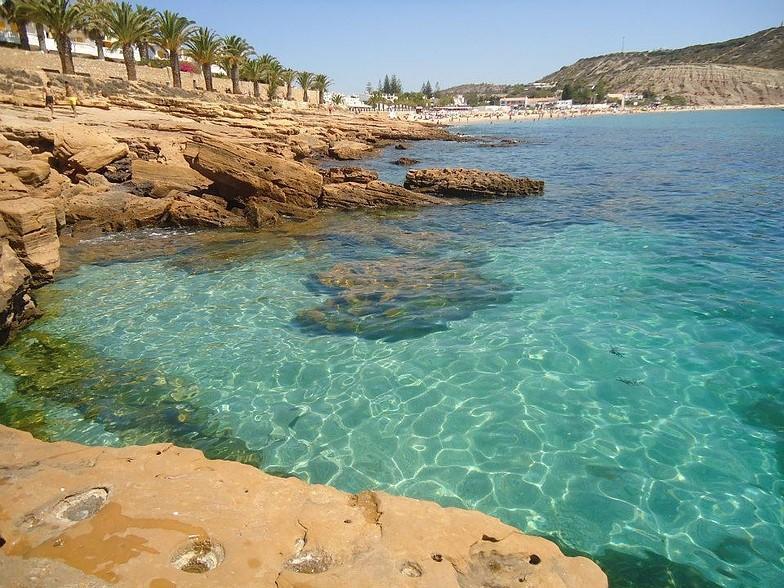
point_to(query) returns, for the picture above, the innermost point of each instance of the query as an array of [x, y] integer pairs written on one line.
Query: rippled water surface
[[603, 365]]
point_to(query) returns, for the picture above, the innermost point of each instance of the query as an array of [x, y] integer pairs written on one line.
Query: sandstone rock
[[337, 175], [16, 306], [259, 214], [13, 149], [82, 150], [470, 183], [192, 211], [32, 233], [115, 210], [11, 185], [31, 172], [162, 178], [118, 171], [400, 147], [349, 150], [406, 161], [373, 194], [241, 173], [230, 524]]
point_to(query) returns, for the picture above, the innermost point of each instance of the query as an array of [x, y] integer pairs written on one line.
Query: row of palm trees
[[138, 27]]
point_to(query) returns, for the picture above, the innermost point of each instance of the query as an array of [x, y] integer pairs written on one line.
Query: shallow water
[[603, 365]]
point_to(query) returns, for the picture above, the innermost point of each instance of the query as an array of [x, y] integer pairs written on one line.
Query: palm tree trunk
[[174, 59], [304, 94], [130, 62], [256, 89], [24, 40], [288, 91], [99, 46], [41, 34], [64, 50], [206, 70], [235, 79], [321, 97]]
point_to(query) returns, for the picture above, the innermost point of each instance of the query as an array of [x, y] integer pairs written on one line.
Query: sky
[[457, 41]]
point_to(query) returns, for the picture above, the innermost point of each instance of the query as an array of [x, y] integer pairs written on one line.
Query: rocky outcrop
[[165, 516], [470, 183], [16, 305], [337, 175], [186, 210], [80, 150], [159, 179], [345, 150], [373, 194], [114, 210], [240, 173], [32, 233]]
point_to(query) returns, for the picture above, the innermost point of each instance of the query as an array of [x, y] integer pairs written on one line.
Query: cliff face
[[162, 516]]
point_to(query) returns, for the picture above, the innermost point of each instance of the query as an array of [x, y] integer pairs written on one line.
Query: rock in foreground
[[164, 516], [470, 183]]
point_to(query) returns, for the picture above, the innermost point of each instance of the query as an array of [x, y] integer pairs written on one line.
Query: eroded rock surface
[[470, 183], [32, 233], [163, 516], [345, 150]]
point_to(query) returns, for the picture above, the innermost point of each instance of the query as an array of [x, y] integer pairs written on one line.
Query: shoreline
[[493, 118]]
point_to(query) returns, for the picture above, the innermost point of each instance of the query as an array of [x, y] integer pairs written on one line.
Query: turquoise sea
[[602, 365]]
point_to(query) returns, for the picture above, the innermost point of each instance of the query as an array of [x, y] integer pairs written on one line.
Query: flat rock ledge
[[470, 183], [162, 516]]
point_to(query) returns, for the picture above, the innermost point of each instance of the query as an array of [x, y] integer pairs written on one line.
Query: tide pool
[[602, 365]]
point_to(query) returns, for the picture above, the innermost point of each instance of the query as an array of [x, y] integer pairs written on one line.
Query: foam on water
[[603, 364]]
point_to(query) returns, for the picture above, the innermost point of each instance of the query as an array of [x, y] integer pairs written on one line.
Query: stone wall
[[36, 62]]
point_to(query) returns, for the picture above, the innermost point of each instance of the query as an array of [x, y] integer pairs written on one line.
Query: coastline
[[148, 157], [493, 118]]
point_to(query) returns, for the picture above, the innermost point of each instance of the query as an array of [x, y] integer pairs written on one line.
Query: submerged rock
[[470, 183], [406, 161], [398, 298]]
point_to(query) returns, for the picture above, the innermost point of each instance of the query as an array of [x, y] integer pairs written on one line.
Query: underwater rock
[[470, 183], [405, 161], [398, 298]]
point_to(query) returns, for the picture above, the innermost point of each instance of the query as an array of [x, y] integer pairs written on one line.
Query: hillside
[[747, 70]]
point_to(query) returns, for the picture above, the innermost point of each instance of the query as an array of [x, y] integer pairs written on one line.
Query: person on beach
[[49, 98], [70, 97]]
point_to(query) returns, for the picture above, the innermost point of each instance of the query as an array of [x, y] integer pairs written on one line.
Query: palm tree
[[337, 99], [288, 76], [236, 51], [204, 47], [172, 31], [143, 44], [305, 81], [9, 11], [62, 17], [268, 60], [321, 83], [273, 75], [253, 71], [127, 26], [95, 22]]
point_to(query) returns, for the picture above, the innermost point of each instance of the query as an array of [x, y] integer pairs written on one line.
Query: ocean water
[[602, 365]]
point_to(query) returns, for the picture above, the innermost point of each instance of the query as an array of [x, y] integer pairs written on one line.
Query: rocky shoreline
[[149, 515], [163, 516]]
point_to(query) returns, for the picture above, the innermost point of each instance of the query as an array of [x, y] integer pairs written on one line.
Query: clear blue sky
[[456, 41]]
